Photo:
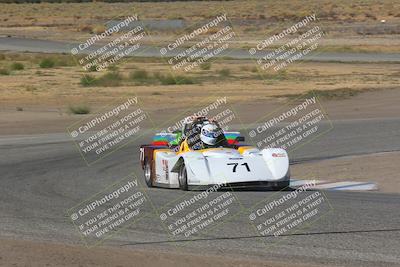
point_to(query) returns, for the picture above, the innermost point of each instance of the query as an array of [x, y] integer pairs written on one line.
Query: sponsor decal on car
[[279, 155], [165, 168]]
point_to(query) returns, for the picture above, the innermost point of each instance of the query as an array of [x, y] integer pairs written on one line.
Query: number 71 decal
[[236, 164]]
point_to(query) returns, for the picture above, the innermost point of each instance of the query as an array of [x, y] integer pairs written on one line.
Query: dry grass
[[251, 19], [60, 87], [340, 10]]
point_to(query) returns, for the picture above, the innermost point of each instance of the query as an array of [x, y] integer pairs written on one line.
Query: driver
[[211, 136], [201, 133]]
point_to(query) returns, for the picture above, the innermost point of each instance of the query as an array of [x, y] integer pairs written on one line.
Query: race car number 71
[[236, 164]]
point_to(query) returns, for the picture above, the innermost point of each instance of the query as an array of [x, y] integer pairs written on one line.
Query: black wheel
[[147, 174], [183, 185], [281, 186]]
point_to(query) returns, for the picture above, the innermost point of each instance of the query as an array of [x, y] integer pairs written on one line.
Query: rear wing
[[172, 139]]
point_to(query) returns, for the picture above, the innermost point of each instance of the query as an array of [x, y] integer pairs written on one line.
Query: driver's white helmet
[[209, 134]]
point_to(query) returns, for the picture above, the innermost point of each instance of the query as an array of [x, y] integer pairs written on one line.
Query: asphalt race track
[[47, 46], [42, 176]]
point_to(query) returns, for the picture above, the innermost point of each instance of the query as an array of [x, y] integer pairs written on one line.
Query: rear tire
[[183, 185], [147, 174]]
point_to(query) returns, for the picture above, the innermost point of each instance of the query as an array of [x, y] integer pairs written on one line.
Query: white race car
[[171, 163]]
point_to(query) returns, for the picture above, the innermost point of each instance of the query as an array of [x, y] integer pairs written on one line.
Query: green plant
[[92, 68], [335, 94], [139, 75], [17, 66], [184, 80], [79, 109], [224, 72], [4, 72], [47, 63], [112, 68], [166, 79], [169, 79], [108, 79], [278, 75], [205, 66], [87, 80]]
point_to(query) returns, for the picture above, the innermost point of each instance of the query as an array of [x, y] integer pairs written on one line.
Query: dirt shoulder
[[37, 119], [30, 253]]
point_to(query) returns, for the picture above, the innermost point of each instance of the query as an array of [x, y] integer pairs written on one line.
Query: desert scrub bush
[[165, 79], [92, 68], [139, 76], [56, 60], [340, 93], [335, 94], [2, 57], [224, 72], [112, 68], [4, 72], [205, 66], [63, 61], [79, 109], [17, 66], [47, 63], [108, 79], [180, 79], [278, 75], [249, 69], [87, 80], [169, 79], [85, 28]]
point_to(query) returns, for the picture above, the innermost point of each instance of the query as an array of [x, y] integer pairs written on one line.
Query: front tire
[[147, 174], [281, 186], [183, 185]]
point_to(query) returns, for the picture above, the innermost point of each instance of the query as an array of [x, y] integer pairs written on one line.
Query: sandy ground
[[38, 119], [20, 253], [349, 27]]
